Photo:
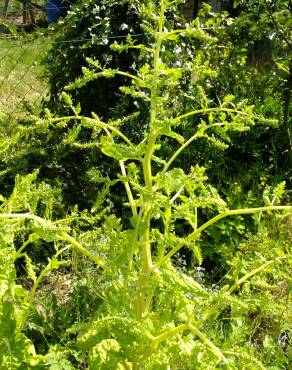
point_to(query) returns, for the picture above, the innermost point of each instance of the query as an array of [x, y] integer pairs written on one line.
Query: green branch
[[235, 212], [23, 216], [187, 143], [206, 110], [85, 252], [24, 245], [50, 267], [125, 74], [128, 189], [141, 47], [215, 308], [144, 238], [249, 275], [97, 122], [176, 330], [60, 236]]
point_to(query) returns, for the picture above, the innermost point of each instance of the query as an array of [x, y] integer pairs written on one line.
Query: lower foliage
[[83, 318]]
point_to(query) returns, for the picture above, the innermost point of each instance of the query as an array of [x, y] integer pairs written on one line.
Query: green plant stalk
[[23, 215], [141, 300], [207, 110], [234, 212], [128, 189], [95, 121], [143, 280], [141, 47], [187, 143], [235, 286], [145, 244], [147, 169], [20, 250], [178, 329], [61, 236], [249, 275], [85, 252], [125, 74], [135, 239], [36, 284]]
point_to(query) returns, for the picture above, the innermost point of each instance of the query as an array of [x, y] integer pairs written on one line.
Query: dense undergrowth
[[177, 273]]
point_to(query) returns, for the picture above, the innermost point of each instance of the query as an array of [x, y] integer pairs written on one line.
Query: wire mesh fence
[[22, 81], [24, 42]]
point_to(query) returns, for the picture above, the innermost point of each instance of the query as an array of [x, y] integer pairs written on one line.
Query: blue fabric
[[54, 10]]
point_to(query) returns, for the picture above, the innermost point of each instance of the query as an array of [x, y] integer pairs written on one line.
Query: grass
[[22, 82]]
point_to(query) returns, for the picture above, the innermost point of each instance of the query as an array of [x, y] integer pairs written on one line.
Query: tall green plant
[[155, 315]]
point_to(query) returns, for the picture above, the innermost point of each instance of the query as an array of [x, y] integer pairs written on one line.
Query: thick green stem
[[99, 123], [142, 299], [187, 143], [249, 275], [128, 189], [178, 329], [85, 252], [207, 110], [36, 284], [147, 166], [135, 239], [142, 283], [60, 236], [153, 103], [146, 248], [235, 212]]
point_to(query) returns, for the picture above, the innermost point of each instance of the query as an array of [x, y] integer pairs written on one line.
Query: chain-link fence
[[22, 82], [24, 42]]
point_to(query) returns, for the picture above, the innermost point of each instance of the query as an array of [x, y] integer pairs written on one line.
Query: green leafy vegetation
[[143, 262]]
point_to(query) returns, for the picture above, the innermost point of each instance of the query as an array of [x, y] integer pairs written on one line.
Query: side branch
[[234, 212], [27, 216], [206, 110], [242, 280], [128, 190], [249, 275], [36, 284], [84, 251], [60, 236], [197, 135], [174, 331], [125, 74], [103, 125]]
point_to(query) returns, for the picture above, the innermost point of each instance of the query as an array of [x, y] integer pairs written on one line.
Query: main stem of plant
[[142, 302]]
